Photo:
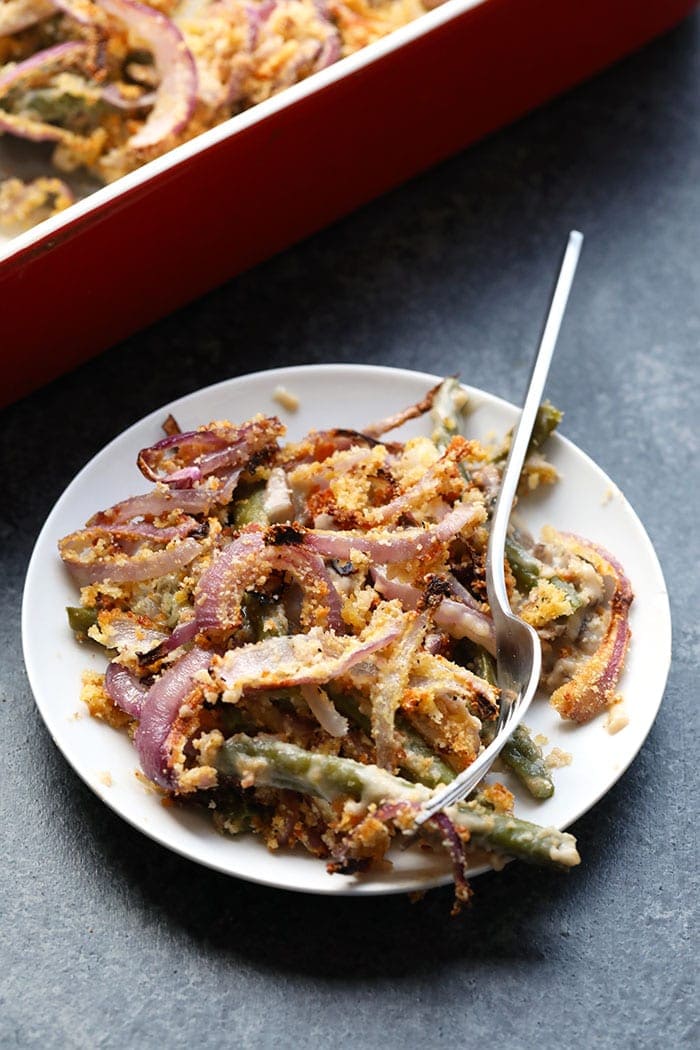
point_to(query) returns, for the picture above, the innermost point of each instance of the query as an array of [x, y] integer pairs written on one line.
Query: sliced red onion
[[461, 593], [315, 50], [462, 622], [83, 11], [592, 688], [318, 445], [113, 96], [310, 570], [389, 548], [390, 685], [182, 635], [160, 713], [461, 516], [394, 810], [220, 589], [126, 690], [191, 448], [457, 850], [125, 632], [16, 15], [313, 658], [198, 453], [394, 545], [177, 93], [488, 478], [137, 530], [406, 593], [52, 59], [331, 49], [257, 14], [622, 583], [434, 643], [158, 503], [245, 564], [615, 651], [454, 617], [323, 710], [86, 567]]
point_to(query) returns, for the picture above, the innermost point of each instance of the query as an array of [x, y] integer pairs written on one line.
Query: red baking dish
[[132, 251]]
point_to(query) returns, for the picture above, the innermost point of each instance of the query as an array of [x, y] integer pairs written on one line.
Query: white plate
[[585, 501]]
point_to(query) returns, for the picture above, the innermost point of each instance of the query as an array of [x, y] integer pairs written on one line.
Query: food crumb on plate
[[106, 779], [617, 717], [286, 398], [557, 759]]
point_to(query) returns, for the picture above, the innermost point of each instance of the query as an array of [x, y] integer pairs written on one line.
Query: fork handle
[[523, 431]]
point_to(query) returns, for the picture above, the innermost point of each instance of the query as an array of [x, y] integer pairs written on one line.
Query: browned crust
[[593, 687]]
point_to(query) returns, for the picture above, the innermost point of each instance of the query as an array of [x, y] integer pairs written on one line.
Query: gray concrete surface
[[108, 940]]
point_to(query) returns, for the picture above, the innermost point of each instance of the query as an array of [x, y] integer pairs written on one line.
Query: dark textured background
[[107, 939]]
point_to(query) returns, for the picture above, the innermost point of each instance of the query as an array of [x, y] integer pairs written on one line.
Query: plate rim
[[365, 887]]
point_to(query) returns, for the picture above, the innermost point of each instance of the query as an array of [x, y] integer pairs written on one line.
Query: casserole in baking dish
[[170, 230]]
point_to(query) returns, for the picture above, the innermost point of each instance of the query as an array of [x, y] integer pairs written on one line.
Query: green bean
[[81, 619], [527, 570], [447, 412], [250, 510], [524, 757], [233, 719], [63, 108], [287, 767], [283, 766], [513, 837], [574, 598], [349, 707], [418, 763], [485, 666], [524, 566], [264, 618], [520, 753], [546, 422]]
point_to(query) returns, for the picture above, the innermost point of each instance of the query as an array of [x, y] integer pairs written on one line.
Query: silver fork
[[518, 651]]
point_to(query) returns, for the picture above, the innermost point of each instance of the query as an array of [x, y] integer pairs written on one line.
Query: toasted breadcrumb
[[546, 602], [202, 778], [500, 797], [99, 704]]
